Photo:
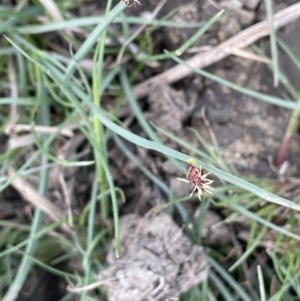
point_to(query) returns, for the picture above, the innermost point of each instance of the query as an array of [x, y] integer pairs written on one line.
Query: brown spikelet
[[199, 179]]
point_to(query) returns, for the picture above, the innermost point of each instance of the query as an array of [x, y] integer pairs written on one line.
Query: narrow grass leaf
[[48, 268], [199, 33], [274, 50], [140, 116], [92, 38], [220, 286], [267, 98], [21, 101], [26, 261], [121, 145], [249, 251], [92, 20], [177, 155], [262, 290], [228, 278], [290, 53], [264, 222], [282, 77]]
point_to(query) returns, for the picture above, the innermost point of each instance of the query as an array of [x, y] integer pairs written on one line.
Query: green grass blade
[[121, 145], [184, 143], [92, 20], [274, 50], [136, 108], [188, 43], [282, 77], [182, 157], [262, 290], [25, 265], [49, 268], [264, 222], [90, 235], [267, 98], [249, 251], [199, 33], [92, 39], [21, 101], [228, 278], [288, 51], [140, 116], [220, 286], [26, 262]]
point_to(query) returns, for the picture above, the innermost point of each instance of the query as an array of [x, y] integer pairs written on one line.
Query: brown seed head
[[198, 178], [130, 3]]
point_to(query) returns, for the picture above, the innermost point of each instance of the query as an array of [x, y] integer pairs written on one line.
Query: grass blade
[[274, 50], [267, 98], [177, 155], [92, 39], [261, 284]]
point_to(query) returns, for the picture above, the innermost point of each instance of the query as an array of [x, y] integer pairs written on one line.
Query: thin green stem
[[26, 262], [97, 83], [274, 50]]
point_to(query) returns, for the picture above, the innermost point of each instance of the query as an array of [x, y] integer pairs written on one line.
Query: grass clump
[[59, 95]]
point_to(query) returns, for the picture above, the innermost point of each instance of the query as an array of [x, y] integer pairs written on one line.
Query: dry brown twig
[[66, 151], [66, 196], [28, 139], [89, 287], [42, 129], [249, 55], [230, 46], [32, 196], [29, 193]]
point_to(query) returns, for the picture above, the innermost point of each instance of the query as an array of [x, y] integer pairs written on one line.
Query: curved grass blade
[[274, 50], [26, 261], [177, 155], [261, 284], [92, 20], [267, 98], [91, 40], [228, 278], [134, 159]]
